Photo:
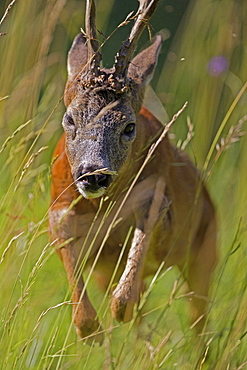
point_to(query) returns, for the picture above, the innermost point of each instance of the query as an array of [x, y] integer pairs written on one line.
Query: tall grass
[[35, 329]]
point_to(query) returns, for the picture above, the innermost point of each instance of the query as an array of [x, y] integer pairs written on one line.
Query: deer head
[[102, 104]]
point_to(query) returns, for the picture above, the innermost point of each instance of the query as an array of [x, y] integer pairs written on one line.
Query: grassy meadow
[[204, 62]]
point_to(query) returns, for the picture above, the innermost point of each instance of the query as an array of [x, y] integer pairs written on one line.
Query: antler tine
[[144, 13], [94, 56]]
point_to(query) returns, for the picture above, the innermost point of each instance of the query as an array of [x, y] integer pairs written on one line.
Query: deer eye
[[129, 129], [69, 120]]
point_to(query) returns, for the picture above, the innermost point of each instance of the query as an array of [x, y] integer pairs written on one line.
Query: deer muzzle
[[93, 184]]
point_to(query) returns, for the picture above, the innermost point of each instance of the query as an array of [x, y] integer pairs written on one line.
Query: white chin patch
[[89, 195]]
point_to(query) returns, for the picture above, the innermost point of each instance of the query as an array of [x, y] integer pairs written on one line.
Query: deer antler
[[122, 59], [94, 56]]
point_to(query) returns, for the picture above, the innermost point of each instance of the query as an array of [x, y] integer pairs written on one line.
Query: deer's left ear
[[142, 67]]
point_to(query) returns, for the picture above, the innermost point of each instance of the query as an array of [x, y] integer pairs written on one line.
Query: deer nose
[[99, 180]]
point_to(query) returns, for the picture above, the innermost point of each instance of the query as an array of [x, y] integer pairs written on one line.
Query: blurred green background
[[203, 61]]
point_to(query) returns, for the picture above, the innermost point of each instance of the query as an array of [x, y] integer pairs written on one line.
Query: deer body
[[168, 211]]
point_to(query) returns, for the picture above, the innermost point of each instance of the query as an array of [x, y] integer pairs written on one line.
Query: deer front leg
[[65, 224], [84, 315], [127, 293]]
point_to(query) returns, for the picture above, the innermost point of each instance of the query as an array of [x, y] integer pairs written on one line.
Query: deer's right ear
[[78, 56]]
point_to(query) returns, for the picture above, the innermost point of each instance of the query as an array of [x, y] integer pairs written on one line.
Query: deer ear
[[77, 57], [142, 67]]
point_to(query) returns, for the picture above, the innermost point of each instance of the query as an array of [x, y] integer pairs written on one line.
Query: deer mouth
[[93, 185]]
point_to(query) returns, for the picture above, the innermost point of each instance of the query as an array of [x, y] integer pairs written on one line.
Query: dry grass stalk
[[9, 245], [5, 15], [154, 351], [28, 164], [233, 136], [13, 135], [190, 134]]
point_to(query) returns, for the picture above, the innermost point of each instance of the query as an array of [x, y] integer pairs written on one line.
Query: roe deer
[[107, 136]]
